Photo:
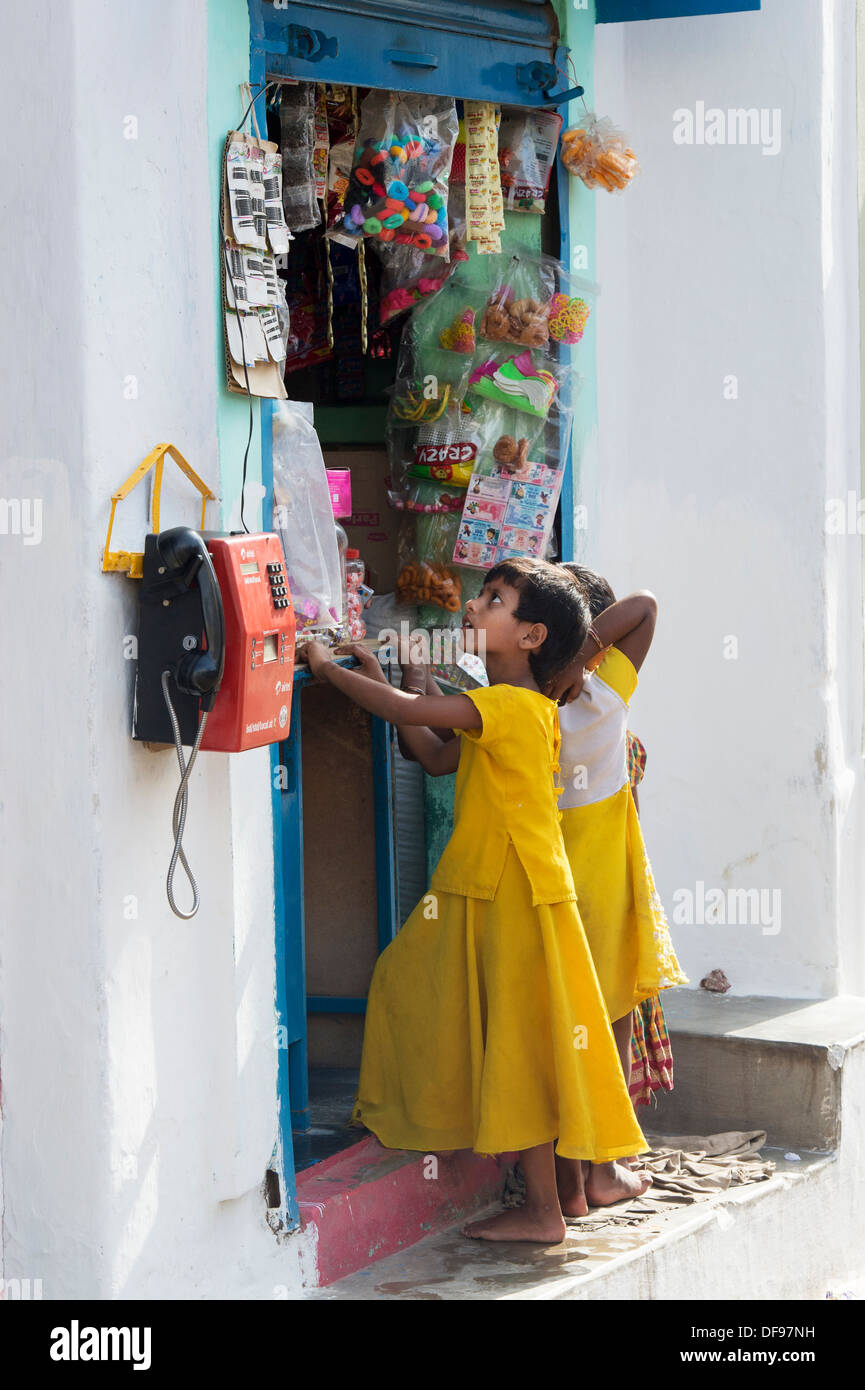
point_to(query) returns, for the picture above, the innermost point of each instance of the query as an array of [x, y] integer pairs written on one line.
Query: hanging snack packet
[[398, 189], [342, 130], [484, 208], [297, 126], [321, 142], [446, 451], [527, 148], [442, 450], [599, 154], [424, 550]]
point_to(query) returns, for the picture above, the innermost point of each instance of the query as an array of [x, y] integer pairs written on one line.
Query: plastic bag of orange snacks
[[599, 154]]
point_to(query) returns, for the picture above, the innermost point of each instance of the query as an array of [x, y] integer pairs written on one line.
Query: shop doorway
[[356, 828]]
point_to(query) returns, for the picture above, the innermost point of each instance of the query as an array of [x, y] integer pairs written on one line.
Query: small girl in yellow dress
[[485, 1024], [622, 914]]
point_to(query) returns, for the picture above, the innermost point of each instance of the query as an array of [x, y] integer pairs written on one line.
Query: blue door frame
[[272, 53], [293, 1004]]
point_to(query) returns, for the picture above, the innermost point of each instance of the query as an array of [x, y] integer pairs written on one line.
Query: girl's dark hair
[[598, 593], [548, 595]]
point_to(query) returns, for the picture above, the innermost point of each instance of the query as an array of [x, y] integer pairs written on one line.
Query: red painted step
[[368, 1202]]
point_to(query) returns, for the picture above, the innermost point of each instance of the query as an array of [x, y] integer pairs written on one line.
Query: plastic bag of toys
[[599, 154], [516, 380], [430, 375], [441, 451], [418, 401], [398, 189], [533, 301], [409, 275]]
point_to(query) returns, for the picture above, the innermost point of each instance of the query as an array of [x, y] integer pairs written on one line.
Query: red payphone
[[215, 652]]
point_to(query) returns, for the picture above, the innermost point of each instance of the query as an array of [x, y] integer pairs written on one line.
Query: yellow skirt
[[486, 1029], [622, 914]]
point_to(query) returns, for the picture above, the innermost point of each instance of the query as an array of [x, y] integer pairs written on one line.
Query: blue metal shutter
[[489, 52], [614, 11]]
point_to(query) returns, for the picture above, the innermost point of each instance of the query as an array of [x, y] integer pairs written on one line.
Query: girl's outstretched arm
[[396, 706], [424, 746]]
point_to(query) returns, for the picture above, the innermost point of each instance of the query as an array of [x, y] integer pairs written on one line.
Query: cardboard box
[[373, 524]]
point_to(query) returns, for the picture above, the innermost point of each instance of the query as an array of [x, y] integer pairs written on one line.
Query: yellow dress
[[622, 914], [485, 1026]]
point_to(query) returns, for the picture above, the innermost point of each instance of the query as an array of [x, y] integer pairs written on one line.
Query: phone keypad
[[278, 589]]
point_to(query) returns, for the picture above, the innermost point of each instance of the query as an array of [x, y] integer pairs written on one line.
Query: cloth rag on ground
[[685, 1169]]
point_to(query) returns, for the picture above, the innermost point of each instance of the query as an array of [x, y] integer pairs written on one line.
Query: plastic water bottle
[[354, 572], [342, 547]]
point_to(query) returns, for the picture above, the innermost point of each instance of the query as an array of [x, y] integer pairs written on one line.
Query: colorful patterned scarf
[[651, 1053]]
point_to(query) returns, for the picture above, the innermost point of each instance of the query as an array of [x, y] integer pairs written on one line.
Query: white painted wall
[[138, 1068], [722, 260]]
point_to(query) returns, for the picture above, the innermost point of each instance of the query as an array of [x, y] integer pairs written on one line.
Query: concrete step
[[758, 1063], [795, 1068], [752, 1242], [368, 1202]]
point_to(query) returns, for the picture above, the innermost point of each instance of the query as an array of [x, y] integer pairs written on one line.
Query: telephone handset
[[187, 559], [215, 653]]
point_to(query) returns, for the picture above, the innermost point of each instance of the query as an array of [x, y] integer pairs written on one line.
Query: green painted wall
[[578, 32], [227, 68]]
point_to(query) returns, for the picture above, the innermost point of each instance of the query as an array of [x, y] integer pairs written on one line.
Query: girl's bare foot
[[519, 1223], [611, 1182], [573, 1204], [570, 1185]]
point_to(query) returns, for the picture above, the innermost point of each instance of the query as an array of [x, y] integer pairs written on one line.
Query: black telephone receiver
[[186, 557]]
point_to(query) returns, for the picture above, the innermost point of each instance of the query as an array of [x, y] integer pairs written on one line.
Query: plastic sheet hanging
[[303, 518]]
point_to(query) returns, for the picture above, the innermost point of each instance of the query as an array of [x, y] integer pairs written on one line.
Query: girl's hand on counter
[[317, 656], [367, 661]]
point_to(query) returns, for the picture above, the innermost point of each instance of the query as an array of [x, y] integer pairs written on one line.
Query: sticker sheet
[[506, 515]]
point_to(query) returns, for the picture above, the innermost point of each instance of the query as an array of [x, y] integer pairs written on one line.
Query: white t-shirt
[[594, 728]]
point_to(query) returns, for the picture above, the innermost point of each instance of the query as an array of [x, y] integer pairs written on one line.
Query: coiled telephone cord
[[178, 818]]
